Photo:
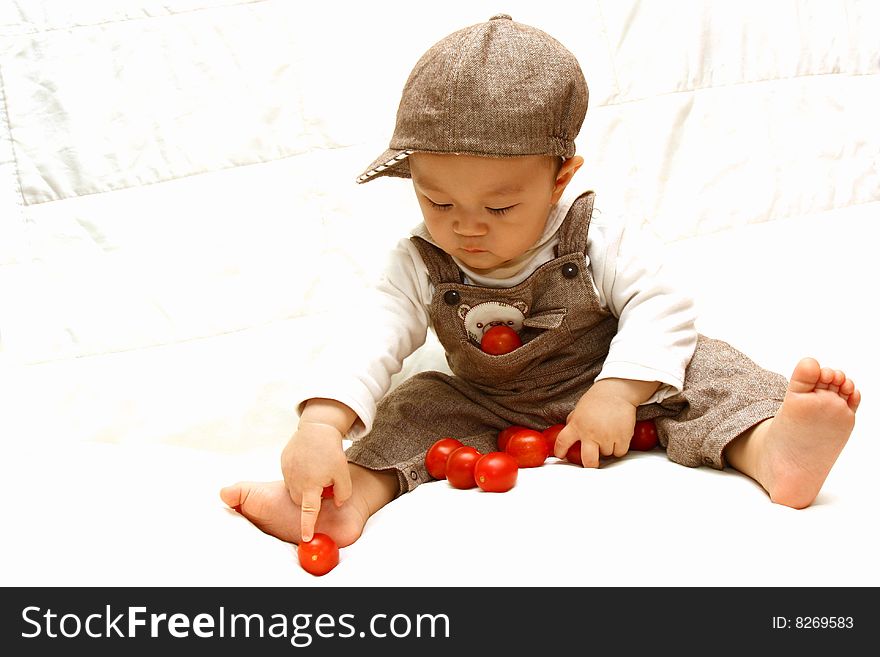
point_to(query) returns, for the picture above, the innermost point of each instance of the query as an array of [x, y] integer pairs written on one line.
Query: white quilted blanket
[[178, 211]]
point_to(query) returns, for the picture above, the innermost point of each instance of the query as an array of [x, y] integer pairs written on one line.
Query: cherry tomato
[[550, 434], [505, 434], [435, 458], [460, 467], [319, 556], [574, 453], [528, 447], [327, 492], [500, 340], [496, 472], [644, 436]]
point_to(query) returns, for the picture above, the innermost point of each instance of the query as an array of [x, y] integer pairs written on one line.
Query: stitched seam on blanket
[[254, 162], [6, 30], [6, 136], [738, 83]]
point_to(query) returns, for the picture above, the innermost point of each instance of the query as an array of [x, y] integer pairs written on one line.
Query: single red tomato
[[327, 492], [574, 453], [496, 472], [435, 458], [318, 556], [550, 434], [528, 447], [500, 340], [644, 436], [505, 434], [460, 467]]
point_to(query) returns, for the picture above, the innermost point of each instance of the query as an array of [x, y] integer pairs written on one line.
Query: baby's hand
[[311, 460], [604, 419]]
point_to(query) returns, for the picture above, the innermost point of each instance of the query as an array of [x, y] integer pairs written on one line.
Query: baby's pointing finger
[[311, 504]]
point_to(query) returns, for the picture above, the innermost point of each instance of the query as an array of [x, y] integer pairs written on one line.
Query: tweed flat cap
[[498, 88]]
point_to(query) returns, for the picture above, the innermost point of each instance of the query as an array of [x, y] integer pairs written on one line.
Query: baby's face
[[485, 211]]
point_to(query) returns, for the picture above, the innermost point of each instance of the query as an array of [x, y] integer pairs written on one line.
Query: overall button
[[570, 270], [452, 297]]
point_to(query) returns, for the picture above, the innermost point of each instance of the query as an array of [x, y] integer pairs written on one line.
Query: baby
[[485, 130]]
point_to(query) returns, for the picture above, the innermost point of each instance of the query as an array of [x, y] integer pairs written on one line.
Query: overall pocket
[[542, 334]]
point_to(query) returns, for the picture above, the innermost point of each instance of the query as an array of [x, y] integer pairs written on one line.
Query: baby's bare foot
[[803, 441], [269, 507]]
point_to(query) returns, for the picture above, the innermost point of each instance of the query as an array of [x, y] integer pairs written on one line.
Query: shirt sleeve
[[656, 334], [366, 342]]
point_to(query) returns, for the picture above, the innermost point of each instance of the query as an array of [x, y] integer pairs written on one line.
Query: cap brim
[[391, 163]]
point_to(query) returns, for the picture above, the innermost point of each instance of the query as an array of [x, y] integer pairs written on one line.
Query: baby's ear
[[463, 310], [566, 173]]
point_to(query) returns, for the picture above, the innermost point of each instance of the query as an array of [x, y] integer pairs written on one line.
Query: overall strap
[[573, 231], [441, 266]]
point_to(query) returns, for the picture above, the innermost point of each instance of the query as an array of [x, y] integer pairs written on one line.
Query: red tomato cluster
[[531, 448], [518, 447], [464, 467]]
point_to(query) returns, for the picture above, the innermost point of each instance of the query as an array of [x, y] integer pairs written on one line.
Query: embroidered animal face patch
[[480, 318]]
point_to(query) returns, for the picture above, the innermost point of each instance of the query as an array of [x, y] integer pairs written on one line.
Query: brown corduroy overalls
[[566, 335]]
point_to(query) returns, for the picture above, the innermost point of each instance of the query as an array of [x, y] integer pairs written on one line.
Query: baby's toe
[[232, 495], [854, 400], [805, 376]]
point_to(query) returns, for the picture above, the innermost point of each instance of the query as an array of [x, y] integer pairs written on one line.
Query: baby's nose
[[467, 227]]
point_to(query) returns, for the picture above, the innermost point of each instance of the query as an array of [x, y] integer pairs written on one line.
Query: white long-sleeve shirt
[[655, 339]]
